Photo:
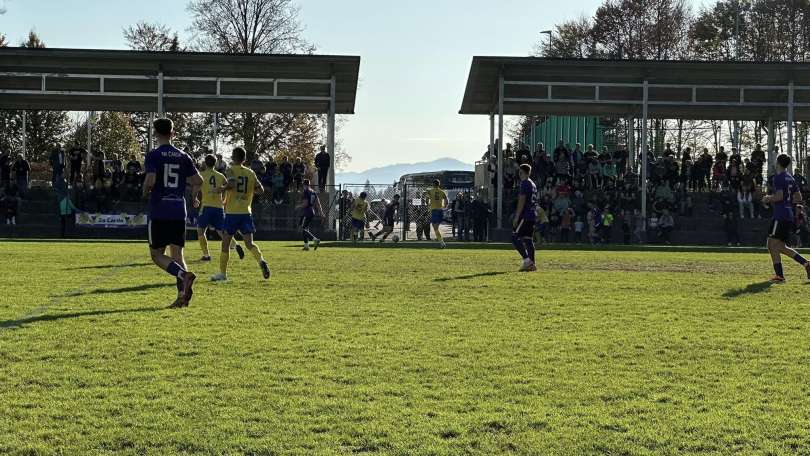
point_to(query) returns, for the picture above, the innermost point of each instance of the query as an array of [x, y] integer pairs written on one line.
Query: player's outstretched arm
[[259, 188]]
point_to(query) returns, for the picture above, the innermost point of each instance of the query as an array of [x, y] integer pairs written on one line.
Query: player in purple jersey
[[525, 218], [785, 194], [168, 171], [309, 203]]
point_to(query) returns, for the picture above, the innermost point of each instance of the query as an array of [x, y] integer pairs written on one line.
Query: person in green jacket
[[66, 207]]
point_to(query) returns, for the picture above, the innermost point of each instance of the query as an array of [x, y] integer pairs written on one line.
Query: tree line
[[728, 30], [229, 26]]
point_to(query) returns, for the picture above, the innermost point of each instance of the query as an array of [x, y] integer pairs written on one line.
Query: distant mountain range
[[389, 174]]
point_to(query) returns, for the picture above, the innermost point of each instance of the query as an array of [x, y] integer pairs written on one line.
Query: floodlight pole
[[790, 120], [500, 152], [644, 152], [24, 122], [330, 133]]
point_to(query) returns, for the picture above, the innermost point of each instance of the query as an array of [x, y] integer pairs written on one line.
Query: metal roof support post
[[24, 122], [160, 94], [489, 161], [790, 120], [771, 144], [215, 132], [500, 153], [90, 116], [631, 142], [150, 140], [644, 153], [330, 133]]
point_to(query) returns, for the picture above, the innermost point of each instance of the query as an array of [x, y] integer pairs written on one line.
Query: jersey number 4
[[171, 179]]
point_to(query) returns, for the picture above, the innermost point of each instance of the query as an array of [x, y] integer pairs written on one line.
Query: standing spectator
[[66, 208], [524, 156], [620, 156], [77, 155], [299, 169], [758, 163], [10, 205], [5, 170], [745, 199], [279, 188], [286, 169], [22, 170], [732, 228], [322, 163], [561, 152], [566, 224], [640, 230], [221, 166], [607, 225], [666, 223], [626, 229], [577, 155], [98, 168], [132, 179], [579, 226], [58, 163], [480, 214], [271, 167]]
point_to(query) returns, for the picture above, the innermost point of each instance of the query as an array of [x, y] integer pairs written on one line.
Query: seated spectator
[[563, 167], [609, 174], [594, 174], [745, 200], [664, 193]]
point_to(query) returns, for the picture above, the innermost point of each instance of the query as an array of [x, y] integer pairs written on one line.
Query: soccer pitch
[[402, 351]]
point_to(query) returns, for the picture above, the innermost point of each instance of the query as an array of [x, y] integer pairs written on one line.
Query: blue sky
[[415, 58]]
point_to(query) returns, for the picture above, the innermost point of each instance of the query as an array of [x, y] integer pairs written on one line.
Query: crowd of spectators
[[590, 196]]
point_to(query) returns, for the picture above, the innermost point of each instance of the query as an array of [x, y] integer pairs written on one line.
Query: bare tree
[[254, 27], [248, 26], [147, 36]]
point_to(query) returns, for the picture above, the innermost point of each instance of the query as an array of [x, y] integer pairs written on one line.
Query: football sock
[[256, 253], [800, 259], [438, 235], [529, 248], [204, 245], [519, 246], [223, 262], [777, 268], [175, 269]]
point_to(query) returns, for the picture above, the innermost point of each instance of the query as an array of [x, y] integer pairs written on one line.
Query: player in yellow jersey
[[212, 212], [437, 199], [359, 210], [242, 185]]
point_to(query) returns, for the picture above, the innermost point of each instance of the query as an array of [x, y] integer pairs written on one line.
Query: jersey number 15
[[171, 178]]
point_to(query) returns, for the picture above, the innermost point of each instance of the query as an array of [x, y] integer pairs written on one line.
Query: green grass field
[[402, 351]]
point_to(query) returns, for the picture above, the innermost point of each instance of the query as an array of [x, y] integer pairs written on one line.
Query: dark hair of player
[[238, 155], [210, 161], [436, 182], [526, 169], [396, 197], [306, 182], [783, 160], [163, 126], [363, 195]]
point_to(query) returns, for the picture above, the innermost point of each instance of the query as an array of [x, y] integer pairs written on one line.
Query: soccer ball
[[395, 238]]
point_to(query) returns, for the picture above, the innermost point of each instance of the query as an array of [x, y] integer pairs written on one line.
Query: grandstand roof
[[677, 89], [90, 79]]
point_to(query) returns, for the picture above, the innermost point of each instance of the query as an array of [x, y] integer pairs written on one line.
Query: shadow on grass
[[470, 276], [109, 266], [754, 288], [144, 287], [15, 324]]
